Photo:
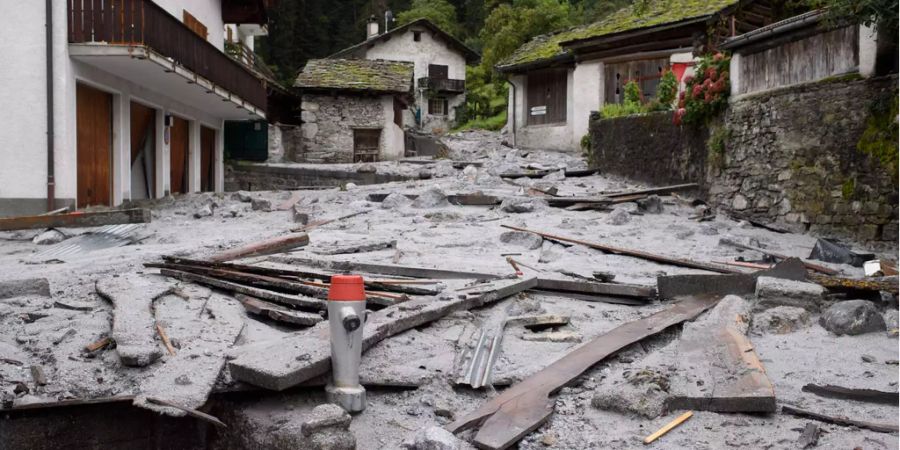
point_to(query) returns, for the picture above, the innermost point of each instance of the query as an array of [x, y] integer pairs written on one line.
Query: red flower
[[718, 57], [681, 95], [676, 117], [708, 98], [711, 73], [688, 80], [698, 89], [707, 83]]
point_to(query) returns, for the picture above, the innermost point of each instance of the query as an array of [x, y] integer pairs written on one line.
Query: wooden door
[[365, 145], [207, 159], [143, 151], [93, 120], [178, 155], [438, 72], [546, 97]]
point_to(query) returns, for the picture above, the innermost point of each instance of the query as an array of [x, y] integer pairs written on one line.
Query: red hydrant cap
[[347, 288]]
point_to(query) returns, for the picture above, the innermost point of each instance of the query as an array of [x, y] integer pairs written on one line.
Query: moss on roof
[[655, 12], [356, 75]]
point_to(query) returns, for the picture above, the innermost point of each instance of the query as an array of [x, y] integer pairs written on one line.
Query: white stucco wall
[[23, 157], [868, 50], [392, 145], [587, 96], [428, 50], [208, 12], [544, 137]]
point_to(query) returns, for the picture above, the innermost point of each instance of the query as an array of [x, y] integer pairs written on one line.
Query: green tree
[[440, 12], [509, 25]]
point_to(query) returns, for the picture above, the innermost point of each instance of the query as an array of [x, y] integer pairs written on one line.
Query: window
[[195, 25], [438, 72], [646, 73], [546, 97], [437, 106], [417, 36], [365, 144]]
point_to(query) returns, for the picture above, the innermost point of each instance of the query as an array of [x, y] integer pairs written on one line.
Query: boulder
[[425, 174], [242, 196], [650, 205], [49, 237], [432, 198], [261, 204], [204, 210], [852, 317], [771, 292], [395, 201], [619, 217], [780, 320], [366, 168], [530, 241], [434, 438], [324, 417], [518, 205]]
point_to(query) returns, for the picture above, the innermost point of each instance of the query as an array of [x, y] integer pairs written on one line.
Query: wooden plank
[[319, 223], [888, 284], [265, 247], [189, 411], [76, 219], [249, 279], [635, 253], [277, 297], [840, 420], [657, 190], [276, 312], [592, 297], [669, 427], [860, 395], [525, 406], [385, 269], [624, 290], [809, 265], [301, 356]]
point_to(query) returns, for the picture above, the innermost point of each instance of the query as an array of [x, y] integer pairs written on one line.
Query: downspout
[[51, 184], [514, 140]]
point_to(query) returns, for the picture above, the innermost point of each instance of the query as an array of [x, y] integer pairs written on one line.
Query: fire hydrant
[[346, 317]]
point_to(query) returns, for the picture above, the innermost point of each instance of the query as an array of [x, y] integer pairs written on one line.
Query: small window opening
[[417, 36]]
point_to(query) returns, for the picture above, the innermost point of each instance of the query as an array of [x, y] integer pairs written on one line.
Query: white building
[[439, 62], [135, 105]]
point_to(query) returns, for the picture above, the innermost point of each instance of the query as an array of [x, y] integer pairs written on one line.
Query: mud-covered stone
[[852, 317]]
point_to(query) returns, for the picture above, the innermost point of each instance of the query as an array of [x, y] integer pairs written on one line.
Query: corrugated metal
[[103, 237]]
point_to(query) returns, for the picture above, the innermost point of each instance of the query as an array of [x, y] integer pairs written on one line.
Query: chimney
[[388, 20], [371, 27]]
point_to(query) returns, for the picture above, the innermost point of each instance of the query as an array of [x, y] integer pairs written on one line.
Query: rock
[[204, 211], [519, 205], [433, 438], [549, 439], [559, 175], [425, 174], [780, 292], [683, 234], [366, 168], [707, 230], [780, 320], [432, 198], [552, 336], [618, 217], [395, 200], [640, 392], [443, 216], [739, 203], [261, 204], [530, 241], [242, 196], [324, 417], [349, 186], [891, 319], [852, 317], [650, 205], [868, 358], [49, 237], [299, 217], [234, 211]]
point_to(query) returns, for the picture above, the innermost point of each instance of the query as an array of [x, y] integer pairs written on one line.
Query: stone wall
[[328, 122], [791, 159], [649, 148], [244, 176], [787, 158]]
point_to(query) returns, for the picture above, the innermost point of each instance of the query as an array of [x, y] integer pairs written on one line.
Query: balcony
[[442, 85], [99, 32]]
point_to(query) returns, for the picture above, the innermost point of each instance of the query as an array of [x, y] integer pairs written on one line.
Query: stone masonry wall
[[791, 159], [245, 176], [328, 122]]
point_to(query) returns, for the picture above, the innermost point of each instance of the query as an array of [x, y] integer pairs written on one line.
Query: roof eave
[[538, 64]]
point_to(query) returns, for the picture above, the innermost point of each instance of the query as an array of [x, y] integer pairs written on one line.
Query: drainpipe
[[51, 184], [514, 143]]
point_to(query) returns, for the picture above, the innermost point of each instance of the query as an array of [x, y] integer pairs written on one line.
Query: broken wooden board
[[658, 190], [249, 279], [134, 328], [840, 420], [266, 247], [594, 202], [385, 269], [860, 395], [365, 247], [632, 301], [519, 410], [809, 265], [319, 223], [276, 312], [671, 286], [581, 287], [76, 219], [277, 297], [291, 360], [719, 368], [544, 173], [635, 253]]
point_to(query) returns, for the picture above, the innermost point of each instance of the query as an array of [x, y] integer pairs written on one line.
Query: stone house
[[439, 61], [124, 112], [558, 79], [352, 110]]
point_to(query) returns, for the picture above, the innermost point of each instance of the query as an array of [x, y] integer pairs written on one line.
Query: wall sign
[[538, 110]]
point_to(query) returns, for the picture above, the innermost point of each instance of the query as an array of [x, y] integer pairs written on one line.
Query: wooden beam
[[840, 420], [860, 395], [634, 253], [809, 265], [265, 247], [276, 312], [657, 190], [76, 219], [522, 408], [582, 287], [385, 269], [633, 52], [277, 297]]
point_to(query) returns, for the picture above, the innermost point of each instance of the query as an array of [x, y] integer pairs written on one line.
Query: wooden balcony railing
[[442, 85], [142, 22]]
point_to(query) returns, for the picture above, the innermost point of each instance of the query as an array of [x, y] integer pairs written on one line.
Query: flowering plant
[[706, 93]]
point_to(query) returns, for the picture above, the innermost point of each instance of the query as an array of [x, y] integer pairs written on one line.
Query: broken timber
[[385, 269], [519, 410], [809, 265], [860, 395], [671, 286], [634, 253], [77, 219], [249, 279], [277, 312], [291, 360], [659, 190], [319, 223], [590, 288], [544, 173], [839, 420], [277, 297], [266, 247]]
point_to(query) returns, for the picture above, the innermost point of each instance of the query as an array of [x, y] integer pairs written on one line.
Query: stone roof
[[549, 47], [359, 75], [354, 51]]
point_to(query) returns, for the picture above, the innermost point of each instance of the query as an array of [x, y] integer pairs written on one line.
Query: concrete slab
[[134, 329]]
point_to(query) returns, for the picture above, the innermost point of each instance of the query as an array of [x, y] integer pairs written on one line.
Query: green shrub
[[706, 93], [879, 139], [586, 142], [667, 89], [716, 146], [489, 123], [633, 93], [611, 110]]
